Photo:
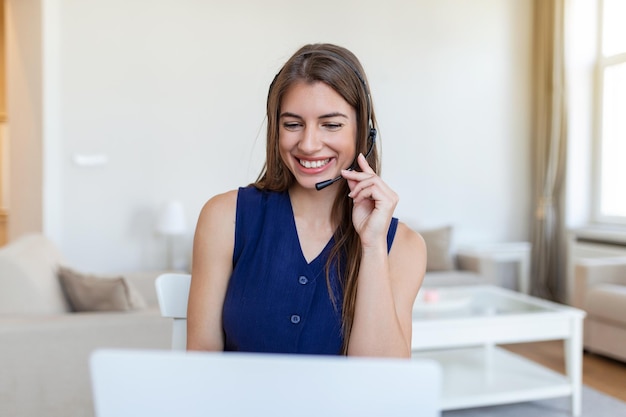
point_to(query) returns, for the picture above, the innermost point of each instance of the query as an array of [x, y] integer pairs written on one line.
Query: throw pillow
[[96, 293], [438, 242]]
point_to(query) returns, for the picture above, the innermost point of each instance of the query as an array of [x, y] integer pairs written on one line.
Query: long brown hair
[[341, 70]]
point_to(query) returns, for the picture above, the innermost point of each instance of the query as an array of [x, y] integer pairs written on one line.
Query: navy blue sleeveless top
[[277, 302]]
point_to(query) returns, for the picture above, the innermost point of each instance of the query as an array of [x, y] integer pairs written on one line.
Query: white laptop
[[149, 383]]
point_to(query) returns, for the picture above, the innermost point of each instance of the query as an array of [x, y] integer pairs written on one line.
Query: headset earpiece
[[373, 134]]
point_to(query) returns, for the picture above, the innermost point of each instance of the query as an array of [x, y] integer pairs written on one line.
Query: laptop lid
[[152, 383]]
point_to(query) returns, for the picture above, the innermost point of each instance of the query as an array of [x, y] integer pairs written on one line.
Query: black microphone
[[323, 184]]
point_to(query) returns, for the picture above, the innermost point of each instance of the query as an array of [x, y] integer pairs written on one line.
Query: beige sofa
[[600, 290], [45, 346]]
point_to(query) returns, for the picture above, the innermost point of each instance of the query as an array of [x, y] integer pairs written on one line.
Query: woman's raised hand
[[374, 203]]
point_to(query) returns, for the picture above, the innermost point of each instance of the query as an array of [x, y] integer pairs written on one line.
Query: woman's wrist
[[374, 248]]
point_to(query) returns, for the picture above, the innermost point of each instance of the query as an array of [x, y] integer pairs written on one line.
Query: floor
[[601, 373]]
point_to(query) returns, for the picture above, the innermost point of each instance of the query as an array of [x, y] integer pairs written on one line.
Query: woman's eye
[[333, 126], [292, 125]]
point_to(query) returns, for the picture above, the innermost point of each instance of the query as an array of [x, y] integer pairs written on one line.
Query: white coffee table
[[461, 331]]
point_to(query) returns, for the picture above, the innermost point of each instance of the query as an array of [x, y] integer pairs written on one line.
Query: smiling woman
[[288, 266]]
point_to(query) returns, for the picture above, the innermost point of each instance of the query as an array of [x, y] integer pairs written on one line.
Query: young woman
[[280, 266]]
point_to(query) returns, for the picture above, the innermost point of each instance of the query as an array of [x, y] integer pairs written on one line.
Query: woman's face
[[317, 133]]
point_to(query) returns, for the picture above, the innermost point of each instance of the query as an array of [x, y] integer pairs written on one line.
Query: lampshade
[[172, 219]]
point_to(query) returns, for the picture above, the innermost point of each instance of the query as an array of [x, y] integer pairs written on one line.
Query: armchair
[[600, 290]]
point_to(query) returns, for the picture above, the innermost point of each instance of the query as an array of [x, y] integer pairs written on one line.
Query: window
[[610, 158]]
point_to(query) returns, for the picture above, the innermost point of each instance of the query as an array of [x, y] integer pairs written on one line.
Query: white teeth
[[313, 164]]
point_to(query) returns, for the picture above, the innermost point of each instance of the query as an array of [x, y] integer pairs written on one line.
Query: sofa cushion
[[438, 246], [28, 281], [607, 302], [96, 293]]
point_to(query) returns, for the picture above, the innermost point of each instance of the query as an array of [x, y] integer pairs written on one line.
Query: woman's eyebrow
[[288, 114], [324, 116], [334, 114]]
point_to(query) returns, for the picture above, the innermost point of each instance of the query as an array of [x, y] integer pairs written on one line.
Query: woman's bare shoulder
[[409, 237], [408, 251], [217, 217], [221, 203]]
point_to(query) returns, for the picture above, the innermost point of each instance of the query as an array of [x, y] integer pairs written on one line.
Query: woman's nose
[[310, 142]]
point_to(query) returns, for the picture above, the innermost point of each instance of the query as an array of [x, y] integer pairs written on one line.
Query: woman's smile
[[314, 164]]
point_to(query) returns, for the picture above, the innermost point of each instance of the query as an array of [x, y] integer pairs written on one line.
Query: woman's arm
[[388, 285], [388, 282], [213, 247]]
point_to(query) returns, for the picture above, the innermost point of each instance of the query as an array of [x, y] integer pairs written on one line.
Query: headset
[[372, 130]]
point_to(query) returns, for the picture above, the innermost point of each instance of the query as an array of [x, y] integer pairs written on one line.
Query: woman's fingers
[[365, 189], [368, 185], [355, 178], [364, 165]]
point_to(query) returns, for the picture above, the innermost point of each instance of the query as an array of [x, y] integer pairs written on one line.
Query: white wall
[[173, 94]]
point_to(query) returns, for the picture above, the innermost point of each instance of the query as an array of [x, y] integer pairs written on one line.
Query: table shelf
[[481, 376]]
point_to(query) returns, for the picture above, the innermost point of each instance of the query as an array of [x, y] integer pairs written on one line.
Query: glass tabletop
[[476, 301]]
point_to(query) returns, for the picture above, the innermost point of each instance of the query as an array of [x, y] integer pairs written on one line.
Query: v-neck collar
[[321, 255]]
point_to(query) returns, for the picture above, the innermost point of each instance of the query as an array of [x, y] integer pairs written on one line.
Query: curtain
[[549, 151]]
